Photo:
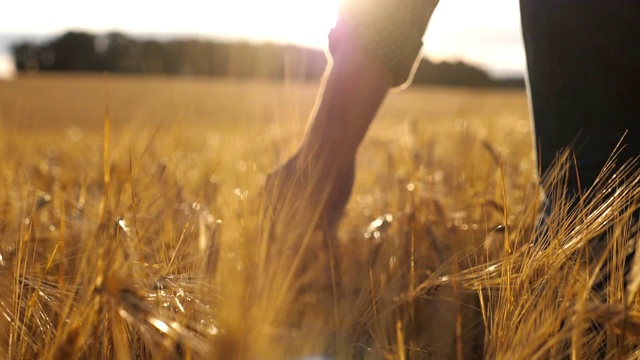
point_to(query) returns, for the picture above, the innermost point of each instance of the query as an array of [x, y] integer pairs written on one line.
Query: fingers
[[313, 194]]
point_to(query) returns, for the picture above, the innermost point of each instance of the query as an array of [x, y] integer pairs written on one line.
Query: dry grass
[[149, 242]]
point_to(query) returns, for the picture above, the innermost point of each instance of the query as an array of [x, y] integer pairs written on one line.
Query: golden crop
[[131, 226]]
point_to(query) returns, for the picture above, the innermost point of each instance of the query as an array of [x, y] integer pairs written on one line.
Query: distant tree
[[303, 63], [117, 53], [220, 58], [241, 60], [25, 56], [73, 51], [195, 56], [445, 73], [156, 57], [269, 61]]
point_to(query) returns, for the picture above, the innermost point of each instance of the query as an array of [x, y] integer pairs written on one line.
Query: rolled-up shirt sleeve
[[389, 30]]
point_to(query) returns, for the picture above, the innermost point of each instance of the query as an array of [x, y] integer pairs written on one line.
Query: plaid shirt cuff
[[389, 30]]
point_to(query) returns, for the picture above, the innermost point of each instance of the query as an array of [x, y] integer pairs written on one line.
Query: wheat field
[[132, 225]]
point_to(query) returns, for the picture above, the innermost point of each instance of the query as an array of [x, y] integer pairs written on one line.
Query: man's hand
[[310, 192]]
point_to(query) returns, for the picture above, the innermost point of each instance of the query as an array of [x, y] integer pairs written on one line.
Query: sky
[[484, 33]]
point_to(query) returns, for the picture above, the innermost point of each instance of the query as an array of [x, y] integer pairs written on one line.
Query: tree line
[[119, 53]]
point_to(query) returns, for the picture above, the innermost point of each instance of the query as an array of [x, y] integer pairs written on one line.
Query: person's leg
[[583, 63]]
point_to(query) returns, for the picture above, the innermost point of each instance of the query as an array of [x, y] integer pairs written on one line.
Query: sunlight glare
[[7, 71], [302, 22], [295, 21]]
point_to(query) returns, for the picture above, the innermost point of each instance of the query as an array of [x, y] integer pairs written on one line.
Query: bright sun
[[297, 21]]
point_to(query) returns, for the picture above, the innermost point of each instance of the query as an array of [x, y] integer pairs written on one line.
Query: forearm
[[353, 90], [374, 48]]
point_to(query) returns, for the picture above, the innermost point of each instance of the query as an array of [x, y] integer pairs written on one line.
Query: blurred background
[[479, 42]]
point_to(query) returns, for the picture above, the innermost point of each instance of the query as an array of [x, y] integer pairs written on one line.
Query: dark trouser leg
[[583, 62]]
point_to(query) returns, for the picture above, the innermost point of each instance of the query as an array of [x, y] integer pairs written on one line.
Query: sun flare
[[301, 22]]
